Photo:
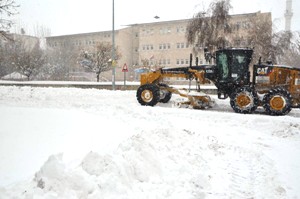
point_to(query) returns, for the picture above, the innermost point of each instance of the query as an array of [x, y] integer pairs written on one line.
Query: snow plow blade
[[196, 100]]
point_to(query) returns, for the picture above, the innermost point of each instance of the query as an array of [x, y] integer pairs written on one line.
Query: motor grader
[[276, 88]]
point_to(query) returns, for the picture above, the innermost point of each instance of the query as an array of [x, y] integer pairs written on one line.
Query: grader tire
[[277, 101], [167, 94], [244, 100], [148, 94]]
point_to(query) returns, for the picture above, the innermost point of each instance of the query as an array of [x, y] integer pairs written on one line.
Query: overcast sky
[[71, 16]]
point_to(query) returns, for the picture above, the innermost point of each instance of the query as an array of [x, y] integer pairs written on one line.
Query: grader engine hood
[[202, 72]]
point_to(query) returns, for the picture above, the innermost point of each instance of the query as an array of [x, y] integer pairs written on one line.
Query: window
[[147, 47], [165, 30], [164, 46], [237, 42], [164, 62], [238, 25], [168, 30], [180, 29], [146, 32], [245, 25], [223, 65], [182, 45]]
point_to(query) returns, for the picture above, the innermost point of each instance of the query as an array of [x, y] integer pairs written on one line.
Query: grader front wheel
[[165, 94], [244, 100], [148, 94]]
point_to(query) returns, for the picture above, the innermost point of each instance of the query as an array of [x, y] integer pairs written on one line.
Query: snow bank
[[124, 150]]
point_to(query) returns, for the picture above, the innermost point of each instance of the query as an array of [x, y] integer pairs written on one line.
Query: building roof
[[142, 24]]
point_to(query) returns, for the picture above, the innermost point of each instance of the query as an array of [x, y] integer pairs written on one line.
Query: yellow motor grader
[[276, 88]]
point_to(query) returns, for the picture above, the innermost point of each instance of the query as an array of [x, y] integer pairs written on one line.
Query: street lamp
[[113, 47]]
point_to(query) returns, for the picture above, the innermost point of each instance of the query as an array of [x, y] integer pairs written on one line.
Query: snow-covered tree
[[209, 28], [97, 60], [26, 60], [5, 63], [58, 64], [288, 45], [260, 38]]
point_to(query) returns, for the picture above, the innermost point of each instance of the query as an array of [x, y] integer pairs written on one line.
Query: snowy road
[[103, 144]]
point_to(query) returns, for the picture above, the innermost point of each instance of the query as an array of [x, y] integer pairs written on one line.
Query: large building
[[152, 45]]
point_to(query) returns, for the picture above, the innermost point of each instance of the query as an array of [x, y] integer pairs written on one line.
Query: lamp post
[[113, 47]]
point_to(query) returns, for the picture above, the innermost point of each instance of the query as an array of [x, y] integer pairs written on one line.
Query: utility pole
[[288, 15], [113, 48]]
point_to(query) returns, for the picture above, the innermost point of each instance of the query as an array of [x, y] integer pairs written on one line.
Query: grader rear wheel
[[244, 100], [277, 102], [148, 94]]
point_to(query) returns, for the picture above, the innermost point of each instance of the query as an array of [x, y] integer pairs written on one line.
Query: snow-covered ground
[[87, 143]]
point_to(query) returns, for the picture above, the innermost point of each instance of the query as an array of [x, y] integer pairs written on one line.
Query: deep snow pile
[[75, 143]]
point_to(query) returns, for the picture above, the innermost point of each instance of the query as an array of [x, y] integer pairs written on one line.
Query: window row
[[75, 43], [165, 46], [163, 62], [241, 25], [185, 62], [162, 30], [160, 62]]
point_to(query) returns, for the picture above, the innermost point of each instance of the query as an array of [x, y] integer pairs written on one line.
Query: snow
[[65, 83], [14, 76], [89, 143]]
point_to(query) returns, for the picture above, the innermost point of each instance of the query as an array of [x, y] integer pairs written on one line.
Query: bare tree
[[97, 60], [210, 27], [7, 9]]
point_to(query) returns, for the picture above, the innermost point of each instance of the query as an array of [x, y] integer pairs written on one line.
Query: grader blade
[[200, 100], [196, 100]]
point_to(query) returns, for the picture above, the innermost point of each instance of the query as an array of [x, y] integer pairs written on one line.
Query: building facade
[[154, 45]]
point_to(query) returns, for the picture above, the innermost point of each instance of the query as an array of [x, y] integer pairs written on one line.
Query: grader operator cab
[[276, 88]]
